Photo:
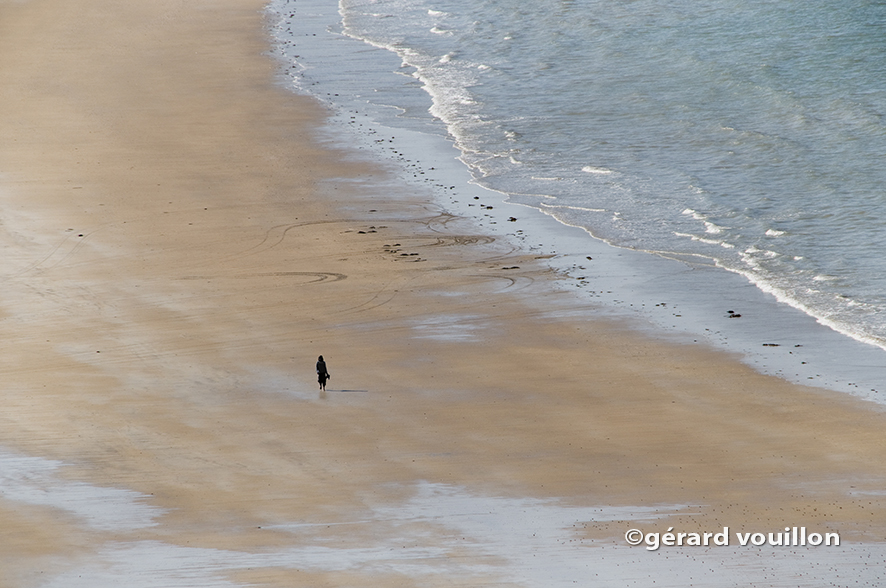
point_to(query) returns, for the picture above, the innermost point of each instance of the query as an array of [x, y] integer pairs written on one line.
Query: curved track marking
[[321, 276], [272, 240], [460, 240], [368, 305], [513, 281], [441, 219], [39, 264]]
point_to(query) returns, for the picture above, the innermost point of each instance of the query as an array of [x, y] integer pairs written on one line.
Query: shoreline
[[180, 250], [662, 294], [661, 297]]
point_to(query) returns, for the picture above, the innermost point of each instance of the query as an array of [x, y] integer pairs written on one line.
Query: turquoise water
[[748, 136]]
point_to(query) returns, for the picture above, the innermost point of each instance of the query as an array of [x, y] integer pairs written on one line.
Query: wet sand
[[178, 249]]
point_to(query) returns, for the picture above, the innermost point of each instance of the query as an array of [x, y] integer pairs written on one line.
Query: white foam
[[589, 169], [582, 208], [698, 239], [754, 250], [712, 229]]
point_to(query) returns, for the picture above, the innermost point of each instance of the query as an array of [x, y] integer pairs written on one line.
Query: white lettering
[[791, 536], [651, 541]]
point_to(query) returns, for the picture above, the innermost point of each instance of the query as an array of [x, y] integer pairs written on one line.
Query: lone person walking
[[322, 374]]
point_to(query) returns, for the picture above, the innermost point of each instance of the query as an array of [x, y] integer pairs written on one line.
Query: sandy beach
[[178, 248]]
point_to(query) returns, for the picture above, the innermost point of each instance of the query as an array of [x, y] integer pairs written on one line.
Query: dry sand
[[178, 250]]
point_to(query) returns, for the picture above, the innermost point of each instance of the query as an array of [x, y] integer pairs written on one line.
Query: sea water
[[741, 142]]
